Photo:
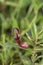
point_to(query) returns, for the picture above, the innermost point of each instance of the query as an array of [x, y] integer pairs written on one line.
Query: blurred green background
[[27, 15]]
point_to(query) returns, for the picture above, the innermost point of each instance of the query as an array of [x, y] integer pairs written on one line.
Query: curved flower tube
[[17, 38]]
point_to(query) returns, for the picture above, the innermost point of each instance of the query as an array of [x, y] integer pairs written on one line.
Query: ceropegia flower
[[17, 38]]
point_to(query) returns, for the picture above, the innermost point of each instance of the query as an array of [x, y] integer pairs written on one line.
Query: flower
[[17, 38]]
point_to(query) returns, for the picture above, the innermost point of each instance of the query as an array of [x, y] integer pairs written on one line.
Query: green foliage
[[27, 15]]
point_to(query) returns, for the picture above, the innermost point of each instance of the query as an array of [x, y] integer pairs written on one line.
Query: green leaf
[[24, 24], [24, 3], [34, 31], [26, 60], [41, 63], [14, 22], [37, 4], [28, 52], [40, 41], [40, 35]]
